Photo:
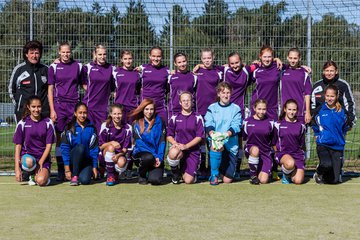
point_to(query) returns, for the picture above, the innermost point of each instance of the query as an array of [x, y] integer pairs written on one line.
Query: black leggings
[[146, 161], [80, 164], [330, 165]]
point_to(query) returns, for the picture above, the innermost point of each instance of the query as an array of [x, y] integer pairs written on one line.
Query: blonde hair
[[99, 46]]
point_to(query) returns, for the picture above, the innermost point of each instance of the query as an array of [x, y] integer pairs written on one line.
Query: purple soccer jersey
[[178, 83], [33, 136], [154, 80], [127, 83], [208, 79], [66, 78], [185, 128], [99, 81], [295, 84], [289, 137], [239, 81], [111, 133], [266, 87], [259, 133]]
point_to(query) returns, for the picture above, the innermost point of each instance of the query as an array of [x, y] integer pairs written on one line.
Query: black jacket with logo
[[346, 98], [26, 80]]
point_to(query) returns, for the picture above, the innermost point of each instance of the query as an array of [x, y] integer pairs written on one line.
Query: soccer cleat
[[31, 181], [143, 181], [254, 180], [285, 179], [74, 181], [110, 181], [175, 179], [128, 174], [318, 178], [214, 180], [275, 176]]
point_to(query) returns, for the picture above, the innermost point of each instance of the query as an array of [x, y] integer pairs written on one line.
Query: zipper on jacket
[[35, 84], [19, 103]]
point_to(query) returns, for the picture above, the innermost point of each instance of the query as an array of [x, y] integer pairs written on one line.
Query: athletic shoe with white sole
[[254, 180], [214, 180], [74, 181], [31, 181], [318, 178]]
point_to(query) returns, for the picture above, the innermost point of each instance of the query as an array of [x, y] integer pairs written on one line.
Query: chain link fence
[[322, 30]]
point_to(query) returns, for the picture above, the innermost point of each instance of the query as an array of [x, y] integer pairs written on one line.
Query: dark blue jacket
[[153, 141], [330, 128], [86, 136]]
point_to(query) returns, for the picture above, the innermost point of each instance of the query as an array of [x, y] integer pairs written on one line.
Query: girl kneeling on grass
[[258, 132], [185, 132], [114, 141], [33, 139], [289, 136], [79, 148], [149, 134], [330, 129], [222, 123]]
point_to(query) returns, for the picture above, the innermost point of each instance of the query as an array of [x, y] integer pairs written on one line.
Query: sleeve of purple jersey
[[308, 87], [84, 75], [127, 141], [200, 131], [50, 133], [18, 137], [51, 75], [244, 131], [171, 126], [103, 136], [302, 136], [276, 134]]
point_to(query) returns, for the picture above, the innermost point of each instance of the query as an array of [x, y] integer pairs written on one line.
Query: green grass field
[[200, 211]]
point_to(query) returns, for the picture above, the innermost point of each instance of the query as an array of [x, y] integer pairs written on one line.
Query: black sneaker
[[318, 178], [25, 176], [175, 179], [60, 176], [254, 180], [143, 181]]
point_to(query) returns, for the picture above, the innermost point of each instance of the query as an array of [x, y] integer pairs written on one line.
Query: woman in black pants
[[79, 148], [149, 136]]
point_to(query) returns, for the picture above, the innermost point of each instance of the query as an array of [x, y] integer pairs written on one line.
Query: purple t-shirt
[[33, 136], [239, 81], [99, 81], [208, 79], [111, 133], [127, 83], [154, 80], [266, 87], [295, 84], [66, 78], [259, 133], [185, 128], [289, 137], [178, 83]]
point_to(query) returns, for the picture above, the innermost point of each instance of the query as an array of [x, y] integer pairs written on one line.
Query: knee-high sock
[[215, 161], [109, 163], [253, 165]]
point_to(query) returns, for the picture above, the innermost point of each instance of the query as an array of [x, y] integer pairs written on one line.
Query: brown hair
[[206, 50], [266, 48], [26, 111], [34, 44], [294, 49], [330, 63], [258, 101], [138, 115], [111, 108], [180, 54], [234, 54], [336, 90], [156, 48], [221, 86], [125, 52], [282, 114], [64, 44]]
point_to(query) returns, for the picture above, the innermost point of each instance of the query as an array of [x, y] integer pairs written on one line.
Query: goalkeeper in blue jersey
[[222, 124]]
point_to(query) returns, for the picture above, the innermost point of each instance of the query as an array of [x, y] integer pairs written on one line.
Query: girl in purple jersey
[[98, 83], [64, 78], [154, 80], [258, 131], [182, 80], [33, 139], [185, 132], [114, 141], [128, 84], [289, 137], [295, 83]]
